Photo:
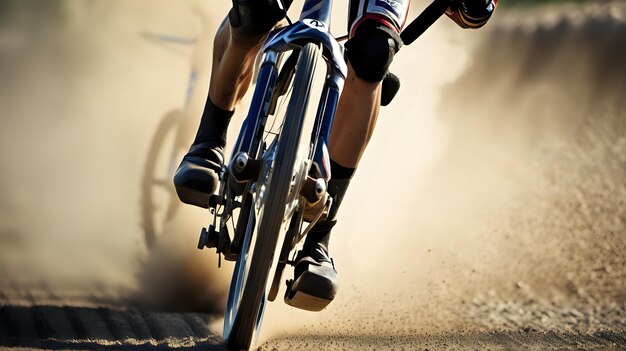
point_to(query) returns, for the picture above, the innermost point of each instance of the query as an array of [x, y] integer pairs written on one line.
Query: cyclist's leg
[[373, 42], [236, 45], [355, 119], [234, 52], [374, 39]]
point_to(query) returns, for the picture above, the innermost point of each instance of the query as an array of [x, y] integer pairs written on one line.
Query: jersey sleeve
[[472, 13]]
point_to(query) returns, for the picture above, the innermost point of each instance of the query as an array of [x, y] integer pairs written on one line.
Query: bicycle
[[274, 176], [158, 201]]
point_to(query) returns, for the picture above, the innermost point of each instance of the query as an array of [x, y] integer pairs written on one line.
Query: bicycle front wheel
[[248, 296]]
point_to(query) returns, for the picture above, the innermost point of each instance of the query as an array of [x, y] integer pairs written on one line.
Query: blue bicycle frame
[[312, 27]]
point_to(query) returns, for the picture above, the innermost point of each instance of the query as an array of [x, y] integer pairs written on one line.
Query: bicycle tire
[[249, 311], [169, 124]]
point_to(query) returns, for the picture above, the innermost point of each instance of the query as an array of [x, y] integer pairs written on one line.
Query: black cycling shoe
[[315, 281], [197, 176]]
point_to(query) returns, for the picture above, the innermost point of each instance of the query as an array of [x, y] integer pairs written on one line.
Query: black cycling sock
[[213, 124], [340, 172], [337, 187]]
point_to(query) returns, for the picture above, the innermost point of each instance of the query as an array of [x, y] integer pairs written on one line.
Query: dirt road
[[81, 328], [507, 230]]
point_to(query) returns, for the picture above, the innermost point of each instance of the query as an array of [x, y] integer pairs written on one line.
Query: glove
[[471, 13]]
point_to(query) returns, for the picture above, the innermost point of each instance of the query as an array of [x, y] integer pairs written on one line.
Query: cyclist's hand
[[471, 13]]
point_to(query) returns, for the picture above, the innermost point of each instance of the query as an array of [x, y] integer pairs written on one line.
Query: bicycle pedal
[[289, 283], [229, 256], [208, 238], [214, 201]]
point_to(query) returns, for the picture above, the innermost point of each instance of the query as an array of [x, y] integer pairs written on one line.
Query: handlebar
[[167, 38], [426, 19]]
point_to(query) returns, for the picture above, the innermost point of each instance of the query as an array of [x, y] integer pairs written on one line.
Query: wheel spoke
[[243, 318], [161, 153]]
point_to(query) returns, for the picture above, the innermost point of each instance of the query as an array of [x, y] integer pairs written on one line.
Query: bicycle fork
[[245, 166]]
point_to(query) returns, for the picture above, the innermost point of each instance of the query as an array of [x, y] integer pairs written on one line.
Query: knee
[[371, 51]]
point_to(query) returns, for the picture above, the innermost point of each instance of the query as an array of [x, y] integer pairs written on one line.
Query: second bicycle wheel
[[159, 202], [248, 296]]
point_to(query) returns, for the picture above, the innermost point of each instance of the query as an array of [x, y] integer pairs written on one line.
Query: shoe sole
[[306, 300], [193, 197]]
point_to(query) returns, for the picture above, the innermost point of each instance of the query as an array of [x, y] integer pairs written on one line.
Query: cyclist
[[374, 27]]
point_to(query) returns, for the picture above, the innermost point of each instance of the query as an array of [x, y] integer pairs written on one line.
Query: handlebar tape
[[426, 19]]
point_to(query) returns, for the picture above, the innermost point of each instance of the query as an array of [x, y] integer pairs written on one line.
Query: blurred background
[[506, 147]]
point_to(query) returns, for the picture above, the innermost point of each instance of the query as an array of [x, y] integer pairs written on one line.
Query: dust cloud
[[82, 92], [495, 178], [492, 195]]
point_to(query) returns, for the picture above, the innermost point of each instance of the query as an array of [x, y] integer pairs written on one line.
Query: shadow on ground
[[79, 328]]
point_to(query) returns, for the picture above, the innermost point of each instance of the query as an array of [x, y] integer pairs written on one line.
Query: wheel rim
[[242, 266], [275, 185]]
